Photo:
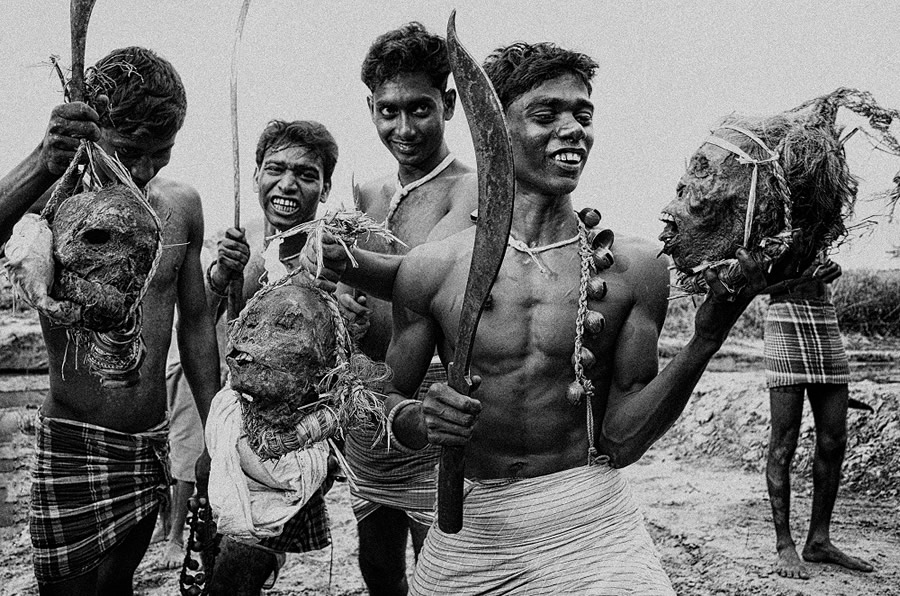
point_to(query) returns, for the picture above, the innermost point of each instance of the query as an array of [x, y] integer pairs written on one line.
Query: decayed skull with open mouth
[[784, 176], [705, 221]]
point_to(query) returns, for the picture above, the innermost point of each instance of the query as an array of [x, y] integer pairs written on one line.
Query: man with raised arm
[[100, 469], [566, 382], [294, 164]]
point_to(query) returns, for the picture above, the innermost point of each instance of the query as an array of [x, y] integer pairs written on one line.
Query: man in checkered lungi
[[804, 353]]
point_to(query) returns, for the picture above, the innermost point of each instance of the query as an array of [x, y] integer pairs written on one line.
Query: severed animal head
[[105, 243], [282, 344], [802, 183]]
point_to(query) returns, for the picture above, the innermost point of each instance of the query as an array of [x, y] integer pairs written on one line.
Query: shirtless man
[[429, 197], [804, 354], [107, 445], [294, 164], [546, 509]]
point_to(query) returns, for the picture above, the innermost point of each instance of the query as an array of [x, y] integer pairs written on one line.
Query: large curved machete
[[496, 190]]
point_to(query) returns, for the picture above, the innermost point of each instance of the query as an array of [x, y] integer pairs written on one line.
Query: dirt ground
[[701, 488]]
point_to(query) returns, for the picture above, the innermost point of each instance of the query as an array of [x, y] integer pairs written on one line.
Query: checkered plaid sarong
[[90, 487], [803, 344], [307, 530], [399, 478]]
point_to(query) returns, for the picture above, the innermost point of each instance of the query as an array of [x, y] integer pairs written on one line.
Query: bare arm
[[413, 339], [642, 406], [374, 275], [196, 328], [28, 181]]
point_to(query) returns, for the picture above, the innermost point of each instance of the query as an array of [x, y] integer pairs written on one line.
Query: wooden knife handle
[[451, 477]]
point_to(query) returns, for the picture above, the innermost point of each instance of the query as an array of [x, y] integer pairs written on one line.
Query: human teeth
[[243, 357], [666, 217], [568, 157], [283, 204]]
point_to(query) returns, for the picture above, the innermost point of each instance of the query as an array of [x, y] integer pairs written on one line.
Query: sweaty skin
[[518, 421]]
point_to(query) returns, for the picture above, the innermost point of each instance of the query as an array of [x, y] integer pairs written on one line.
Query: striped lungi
[[577, 531], [400, 478], [803, 344], [90, 487]]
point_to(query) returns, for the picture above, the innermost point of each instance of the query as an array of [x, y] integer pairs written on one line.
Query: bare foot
[[173, 555], [788, 564], [159, 534], [829, 553]]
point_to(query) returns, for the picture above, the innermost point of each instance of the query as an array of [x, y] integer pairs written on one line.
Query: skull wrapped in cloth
[[293, 363], [755, 181]]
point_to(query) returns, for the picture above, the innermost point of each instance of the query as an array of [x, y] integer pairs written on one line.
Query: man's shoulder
[[167, 188], [642, 260], [437, 255], [371, 192]]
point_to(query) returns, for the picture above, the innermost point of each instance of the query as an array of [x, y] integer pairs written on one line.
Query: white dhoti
[[578, 531]]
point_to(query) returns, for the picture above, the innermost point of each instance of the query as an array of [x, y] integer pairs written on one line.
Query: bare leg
[[829, 406], [240, 570], [786, 405], [418, 532], [173, 554], [382, 552], [116, 573]]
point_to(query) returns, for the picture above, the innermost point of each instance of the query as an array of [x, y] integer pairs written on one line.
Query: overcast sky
[[668, 72]]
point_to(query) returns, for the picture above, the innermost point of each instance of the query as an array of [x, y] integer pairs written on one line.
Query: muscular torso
[[75, 394], [523, 351], [436, 209]]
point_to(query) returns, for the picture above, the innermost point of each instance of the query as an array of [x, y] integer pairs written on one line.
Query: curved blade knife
[[496, 191]]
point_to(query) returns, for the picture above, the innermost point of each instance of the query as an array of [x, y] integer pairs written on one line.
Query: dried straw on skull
[[756, 180], [293, 363]]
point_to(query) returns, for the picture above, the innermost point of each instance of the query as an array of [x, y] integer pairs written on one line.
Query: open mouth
[[285, 205], [569, 158], [669, 235]]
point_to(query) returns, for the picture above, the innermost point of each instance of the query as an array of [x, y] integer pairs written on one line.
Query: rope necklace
[[582, 388], [402, 191], [520, 246]]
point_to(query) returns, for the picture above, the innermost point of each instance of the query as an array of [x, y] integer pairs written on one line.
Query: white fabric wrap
[[252, 499], [29, 265]]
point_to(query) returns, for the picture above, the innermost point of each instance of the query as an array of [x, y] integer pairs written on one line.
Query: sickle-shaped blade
[[496, 191]]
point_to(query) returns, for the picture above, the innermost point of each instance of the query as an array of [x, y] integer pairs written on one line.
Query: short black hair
[[146, 95], [407, 49], [280, 134], [518, 68]]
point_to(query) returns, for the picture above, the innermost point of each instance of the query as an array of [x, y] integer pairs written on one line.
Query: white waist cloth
[[253, 499], [578, 531]]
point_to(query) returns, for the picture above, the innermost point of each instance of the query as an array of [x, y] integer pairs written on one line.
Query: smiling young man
[[546, 511], [294, 164], [430, 196], [100, 466]]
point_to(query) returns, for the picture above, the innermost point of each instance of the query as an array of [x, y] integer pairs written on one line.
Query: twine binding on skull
[[114, 349], [348, 391], [771, 247], [810, 183]]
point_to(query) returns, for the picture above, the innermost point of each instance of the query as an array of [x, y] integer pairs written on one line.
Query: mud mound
[[728, 419]]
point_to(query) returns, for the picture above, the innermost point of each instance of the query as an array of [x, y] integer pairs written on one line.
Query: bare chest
[[175, 241], [532, 313], [412, 217]]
